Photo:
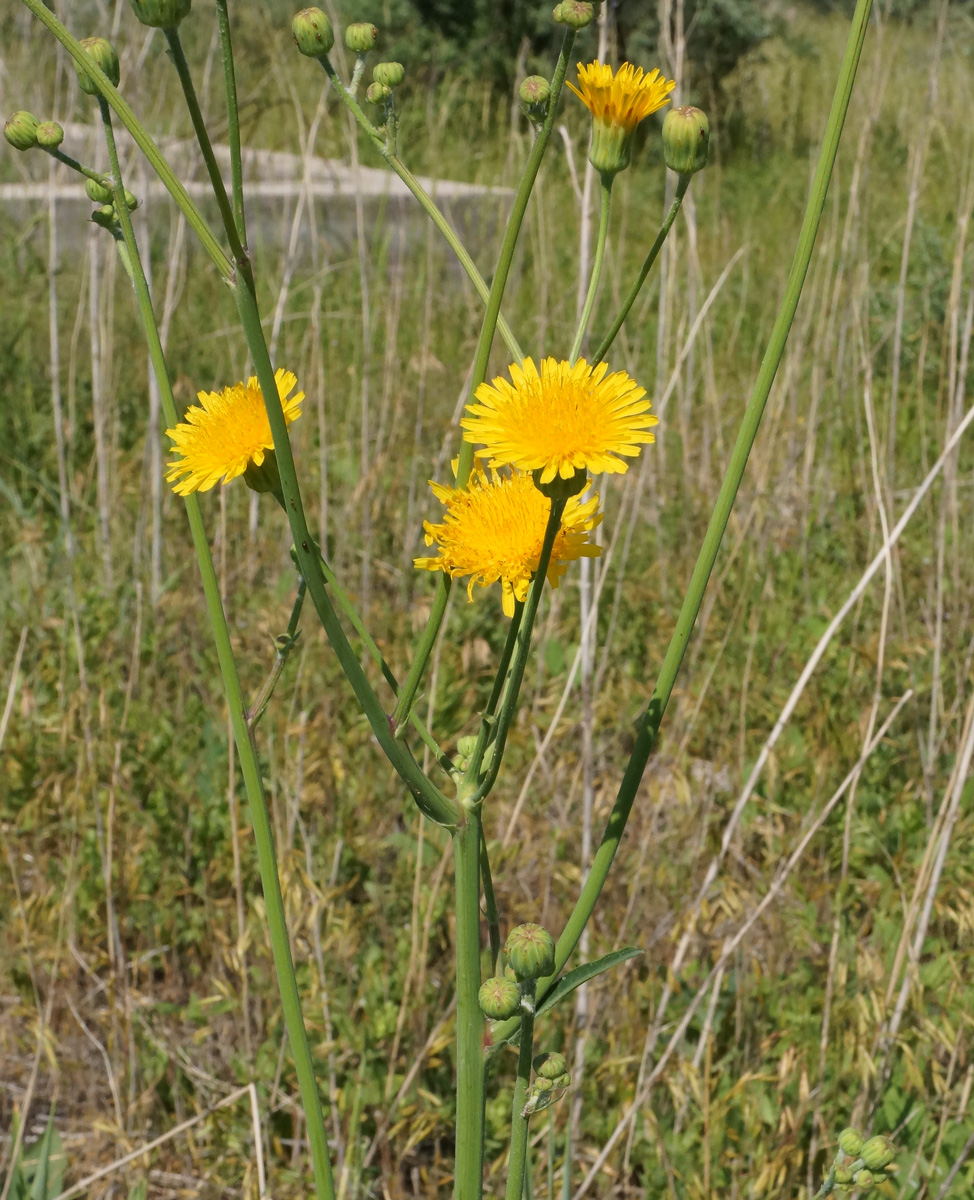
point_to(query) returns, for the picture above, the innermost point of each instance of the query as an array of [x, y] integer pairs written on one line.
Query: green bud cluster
[[102, 54], [530, 952], [861, 1163], [161, 14], [313, 33], [686, 140], [549, 1084]]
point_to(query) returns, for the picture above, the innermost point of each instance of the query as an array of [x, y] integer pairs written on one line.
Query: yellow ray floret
[[560, 420], [493, 529], [622, 100], [227, 432]]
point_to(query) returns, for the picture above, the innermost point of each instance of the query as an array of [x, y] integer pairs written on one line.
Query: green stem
[[425, 201], [519, 1122], [649, 726], [414, 676], [509, 244], [683, 182], [348, 608], [250, 767], [482, 357], [131, 122], [233, 120], [593, 283], [73, 163], [429, 798], [283, 647], [468, 1172], [512, 688], [490, 900], [206, 148]]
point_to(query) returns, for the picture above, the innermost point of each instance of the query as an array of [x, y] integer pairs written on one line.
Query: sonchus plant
[[519, 509]]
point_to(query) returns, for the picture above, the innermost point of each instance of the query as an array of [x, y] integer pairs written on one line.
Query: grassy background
[[136, 985]]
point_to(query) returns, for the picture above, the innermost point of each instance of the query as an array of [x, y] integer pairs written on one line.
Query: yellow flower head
[[494, 529], [562, 420], [617, 104], [227, 434]]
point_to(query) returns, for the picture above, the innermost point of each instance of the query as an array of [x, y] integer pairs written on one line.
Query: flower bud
[[102, 54], [466, 745], [132, 201], [843, 1179], [550, 1066], [105, 216], [97, 193], [389, 73], [21, 130], [313, 34], [877, 1153], [161, 14], [560, 1082], [50, 135], [377, 93], [850, 1141], [360, 37], [534, 91], [576, 14], [866, 1180], [686, 140], [530, 950], [499, 998]]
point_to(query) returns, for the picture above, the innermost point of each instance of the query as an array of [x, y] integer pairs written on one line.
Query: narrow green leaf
[[568, 983]]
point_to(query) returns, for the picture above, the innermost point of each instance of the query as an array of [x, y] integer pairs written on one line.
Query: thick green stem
[[683, 182], [593, 283], [417, 668], [148, 147], [203, 140], [250, 767], [468, 1175], [519, 1121], [649, 726], [233, 119]]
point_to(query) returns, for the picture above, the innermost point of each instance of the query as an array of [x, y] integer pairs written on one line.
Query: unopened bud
[[97, 193], [389, 73], [530, 950], [850, 1141], [499, 998], [877, 1153], [361, 36], [550, 1066], [50, 135], [21, 130], [576, 14], [132, 201], [534, 91], [105, 216], [313, 34], [161, 14], [866, 1180], [377, 93], [102, 54], [686, 140]]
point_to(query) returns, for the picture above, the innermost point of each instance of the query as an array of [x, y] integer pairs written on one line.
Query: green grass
[[115, 749]]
